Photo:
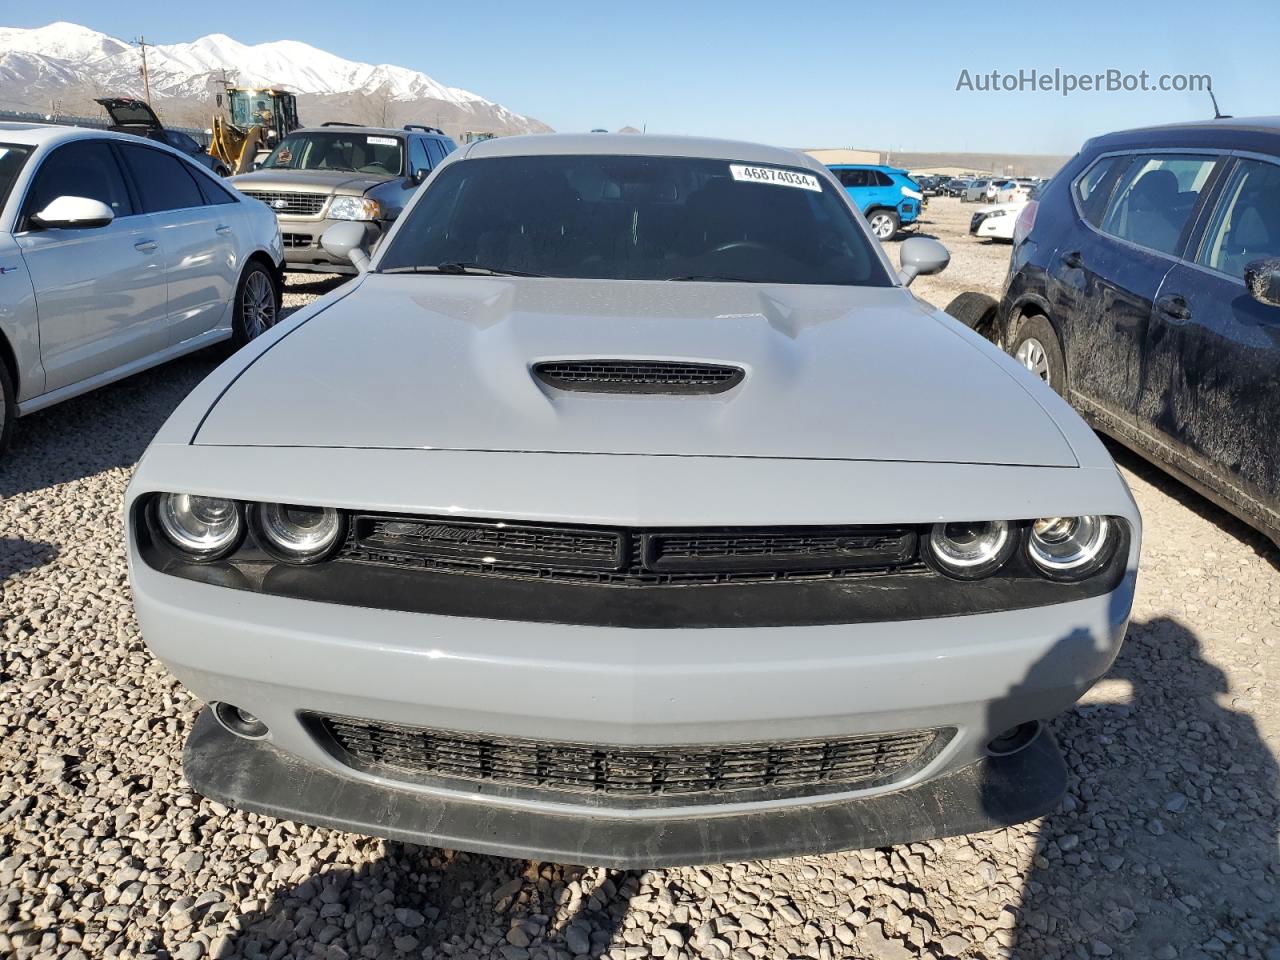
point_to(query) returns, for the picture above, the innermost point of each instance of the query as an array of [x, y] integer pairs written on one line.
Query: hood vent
[[638, 376]]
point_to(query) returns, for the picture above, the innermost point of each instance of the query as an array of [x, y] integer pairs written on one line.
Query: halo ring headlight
[[1070, 548], [970, 550], [298, 534], [203, 528]]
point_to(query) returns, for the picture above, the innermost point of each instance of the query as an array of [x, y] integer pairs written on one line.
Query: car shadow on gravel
[[424, 902], [18, 555], [1165, 844]]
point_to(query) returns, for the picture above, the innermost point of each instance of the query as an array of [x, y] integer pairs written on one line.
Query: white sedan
[[117, 254]]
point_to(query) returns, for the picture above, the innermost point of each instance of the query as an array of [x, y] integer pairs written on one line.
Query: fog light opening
[[239, 721], [1015, 739]]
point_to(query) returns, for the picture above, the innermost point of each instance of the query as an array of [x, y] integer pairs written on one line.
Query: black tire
[[222, 171], [977, 311], [884, 223], [8, 408], [1036, 347], [257, 306]]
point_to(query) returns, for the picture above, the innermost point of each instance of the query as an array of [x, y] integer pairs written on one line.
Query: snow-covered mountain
[[63, 66]]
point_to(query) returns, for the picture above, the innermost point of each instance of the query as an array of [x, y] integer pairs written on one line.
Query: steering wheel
[[742, 245]]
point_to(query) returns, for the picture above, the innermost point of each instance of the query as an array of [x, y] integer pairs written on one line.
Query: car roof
[[356, 128], [639, 145], [1232, 132]]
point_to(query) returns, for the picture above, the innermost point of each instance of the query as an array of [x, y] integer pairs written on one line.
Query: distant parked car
[[955, 187], [129, 115], [1145, 288], [995, 221], [116, 255], [975, 191], [887, 196], [339, 172]]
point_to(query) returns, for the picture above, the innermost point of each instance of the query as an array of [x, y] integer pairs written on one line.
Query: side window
[[418, 159], [1246, 224], [855, 178], [448, 145], [882, 179], [85, 168], [1153, 199], [163, 180], [438, 152], [180, 141], [215, 193], [1093, 189]]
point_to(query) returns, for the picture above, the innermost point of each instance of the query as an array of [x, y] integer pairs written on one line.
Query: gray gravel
[[1166, 845]]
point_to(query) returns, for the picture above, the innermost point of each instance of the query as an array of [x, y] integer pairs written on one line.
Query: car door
[[1111, 274], [1213, 385], [100, 291], [201, 257]]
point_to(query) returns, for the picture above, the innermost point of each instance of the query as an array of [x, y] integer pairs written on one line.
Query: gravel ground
[[1165, 846]]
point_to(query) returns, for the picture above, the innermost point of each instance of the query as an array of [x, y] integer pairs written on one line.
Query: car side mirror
[[420, 174], [346, 241], [1262, 278], [74, 213], [920, 257]]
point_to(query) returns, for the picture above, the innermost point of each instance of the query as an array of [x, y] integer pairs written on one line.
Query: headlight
[[1070, 548], [354, 208], [298, 534], [997, 213], [204, 527], [971, 549]]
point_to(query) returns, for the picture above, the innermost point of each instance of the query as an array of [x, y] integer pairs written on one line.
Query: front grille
[[629, 556], [638, 376], [296, 241], [290, 204], [790, 767]]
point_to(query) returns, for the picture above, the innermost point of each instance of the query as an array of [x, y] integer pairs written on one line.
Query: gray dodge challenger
[[627, 509]]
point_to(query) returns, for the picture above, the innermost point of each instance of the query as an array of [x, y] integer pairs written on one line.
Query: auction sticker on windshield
[[776, 175], [381, 141]]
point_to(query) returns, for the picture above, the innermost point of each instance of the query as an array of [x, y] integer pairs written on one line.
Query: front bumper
[[986, 795]]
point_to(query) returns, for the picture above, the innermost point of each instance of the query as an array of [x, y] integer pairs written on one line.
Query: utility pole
[[146, 79]]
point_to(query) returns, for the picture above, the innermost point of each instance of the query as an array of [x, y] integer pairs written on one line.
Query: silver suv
[[339, 172]]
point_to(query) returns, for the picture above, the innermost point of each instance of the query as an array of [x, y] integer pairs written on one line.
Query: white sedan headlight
[[354, 208]]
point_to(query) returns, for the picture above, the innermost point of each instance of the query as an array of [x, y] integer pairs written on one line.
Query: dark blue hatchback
[[1145, 288]]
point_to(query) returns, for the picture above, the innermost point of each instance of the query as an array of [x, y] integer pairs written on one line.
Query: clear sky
[[879, 75]]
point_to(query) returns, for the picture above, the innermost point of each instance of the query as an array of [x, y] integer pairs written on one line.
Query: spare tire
[[977, 311]]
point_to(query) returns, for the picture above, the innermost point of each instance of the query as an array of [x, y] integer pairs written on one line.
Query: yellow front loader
[[259, 119]]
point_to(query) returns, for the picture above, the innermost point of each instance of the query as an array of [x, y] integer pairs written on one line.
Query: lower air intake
[[796, 767]]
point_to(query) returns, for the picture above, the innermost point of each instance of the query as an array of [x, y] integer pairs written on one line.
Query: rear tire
[[8, 408], [884, 224], [977, 311], [1036, 347], [257, 306]]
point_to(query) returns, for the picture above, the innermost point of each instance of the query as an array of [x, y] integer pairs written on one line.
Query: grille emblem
[[279, 203]]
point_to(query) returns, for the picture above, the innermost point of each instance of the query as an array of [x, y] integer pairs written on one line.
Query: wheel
[[8, 408], [1036, 347], [257, 304], [977, 311], [221, 171], [884, 224]]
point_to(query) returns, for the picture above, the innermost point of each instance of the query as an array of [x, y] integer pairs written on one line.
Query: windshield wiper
[[714, 279], [460, 269]]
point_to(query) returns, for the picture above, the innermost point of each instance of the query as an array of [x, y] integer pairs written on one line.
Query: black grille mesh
[[289, 203], [626, 771], [629, 556], [638, 376]]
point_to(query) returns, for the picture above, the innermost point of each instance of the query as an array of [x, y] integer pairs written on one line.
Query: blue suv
[[887, 196]]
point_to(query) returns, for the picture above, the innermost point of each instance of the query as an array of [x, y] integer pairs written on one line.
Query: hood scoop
[[638, 376]]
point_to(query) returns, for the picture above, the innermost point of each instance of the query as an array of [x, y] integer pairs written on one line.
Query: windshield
[[12, 158], [636, 218], [355, 152]]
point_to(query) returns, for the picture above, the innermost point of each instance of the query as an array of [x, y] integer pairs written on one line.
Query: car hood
[[445, 362], [308, 181], [989, 207]]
